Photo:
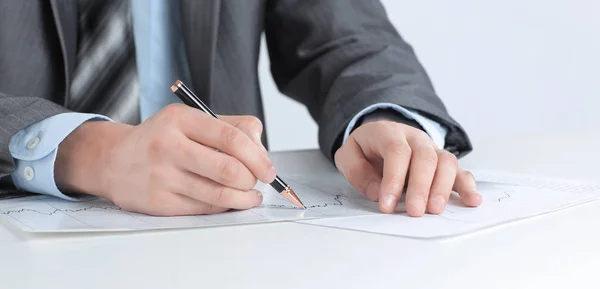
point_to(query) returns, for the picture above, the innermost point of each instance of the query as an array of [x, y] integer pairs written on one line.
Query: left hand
[[379, 157]]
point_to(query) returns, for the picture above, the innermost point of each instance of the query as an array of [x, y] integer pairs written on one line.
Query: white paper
[[506, 198], [49, 214], [330, 202]]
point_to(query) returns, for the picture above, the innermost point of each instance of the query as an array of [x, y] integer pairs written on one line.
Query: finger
[[250, 125], [423, 165], [355, 167], [181, 205], [465, 186], [219, 167], [396, 155], [188, 206], [224, 137], [208, 191], [172, 204], [443, 180]]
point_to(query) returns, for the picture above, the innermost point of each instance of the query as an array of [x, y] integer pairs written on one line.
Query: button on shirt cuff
[[436, 131], [34, 150]]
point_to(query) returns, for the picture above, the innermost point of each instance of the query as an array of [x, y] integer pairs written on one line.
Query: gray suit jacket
[[335, 56]]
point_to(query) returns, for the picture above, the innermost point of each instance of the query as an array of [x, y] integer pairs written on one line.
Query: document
[[331, 202], [322, 200], [506, 198]]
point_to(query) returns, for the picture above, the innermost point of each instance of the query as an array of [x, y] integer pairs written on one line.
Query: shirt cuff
[[435, 130], [34, 150]]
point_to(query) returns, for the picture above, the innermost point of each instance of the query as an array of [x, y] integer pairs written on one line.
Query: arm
[[17, 113], [34, 150], [339, 57], [32, 79]]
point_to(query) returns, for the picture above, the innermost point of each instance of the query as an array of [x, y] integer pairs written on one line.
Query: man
[[72, 120]]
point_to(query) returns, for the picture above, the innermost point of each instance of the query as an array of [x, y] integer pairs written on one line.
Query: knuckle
[[355, 169], [428, 155], [449, 158], [397, 183], [467, 174], [421, 134], [228, 171], [248, 181], [367, 185], [397, 128], [172, 112], [254, 123], [220, 195], [387, 128], [161, 143], [231, 137], [400, 148], [398, 179]]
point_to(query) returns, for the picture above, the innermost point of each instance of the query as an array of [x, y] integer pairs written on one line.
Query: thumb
[[249, 125], [354, 166]]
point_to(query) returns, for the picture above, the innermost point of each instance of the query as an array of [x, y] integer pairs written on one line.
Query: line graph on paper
[[506, 199], [47, 214], [330, 201]]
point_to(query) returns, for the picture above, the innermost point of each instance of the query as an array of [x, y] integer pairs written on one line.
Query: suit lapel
[[65, 16], [200, 28]]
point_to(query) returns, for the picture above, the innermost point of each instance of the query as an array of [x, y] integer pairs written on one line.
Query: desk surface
[[555, 250]]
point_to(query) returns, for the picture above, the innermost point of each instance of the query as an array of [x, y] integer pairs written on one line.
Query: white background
[[499, 66]]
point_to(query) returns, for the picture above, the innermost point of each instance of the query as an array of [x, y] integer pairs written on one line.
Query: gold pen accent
[[289, 194]]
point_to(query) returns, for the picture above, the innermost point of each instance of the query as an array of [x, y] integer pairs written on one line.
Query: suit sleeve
[[340, 57], [32, 79]]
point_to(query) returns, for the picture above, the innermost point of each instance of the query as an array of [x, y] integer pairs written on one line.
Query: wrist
[[390, 115], [82, 157]]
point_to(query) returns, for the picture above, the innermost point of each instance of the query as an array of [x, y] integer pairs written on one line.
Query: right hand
[[169, 164]]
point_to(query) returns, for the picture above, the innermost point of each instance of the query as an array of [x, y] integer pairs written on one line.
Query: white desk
[[556, 250]]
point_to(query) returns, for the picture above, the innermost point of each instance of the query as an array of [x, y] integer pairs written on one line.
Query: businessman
[[85, 104]]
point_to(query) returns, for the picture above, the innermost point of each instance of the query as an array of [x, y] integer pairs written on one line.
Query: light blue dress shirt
[[160, 61]]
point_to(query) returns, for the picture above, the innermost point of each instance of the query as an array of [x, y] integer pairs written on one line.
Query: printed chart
[[330, 202], [49, 214]]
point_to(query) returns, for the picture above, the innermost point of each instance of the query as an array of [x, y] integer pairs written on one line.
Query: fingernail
[[389, 202], [259, 197], [439, 203], [373, 191], [418, 203], [475, 199], [271, 174]]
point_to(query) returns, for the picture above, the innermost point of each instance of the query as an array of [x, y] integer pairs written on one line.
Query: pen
[[189, 98]]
